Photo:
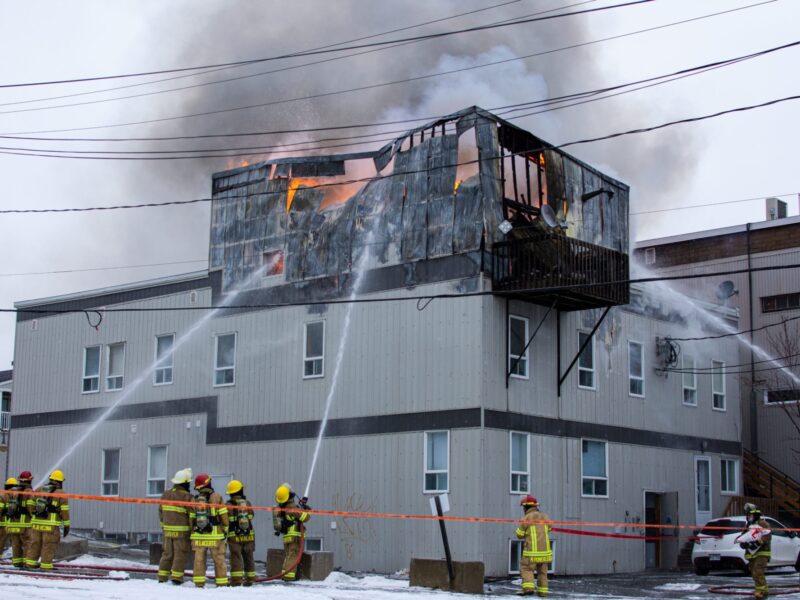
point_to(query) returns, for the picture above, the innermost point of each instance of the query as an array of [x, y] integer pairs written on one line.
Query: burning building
[[496, 350]]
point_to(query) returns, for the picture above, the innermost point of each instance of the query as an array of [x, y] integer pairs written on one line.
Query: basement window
[[594, 469], [586, 362], [517, 339], [224, 359], [717, 385], [514, 556], [115, 366], [689, 380], [437, 461], [313, 545], [91, 370], [110, 485], [314, 350]]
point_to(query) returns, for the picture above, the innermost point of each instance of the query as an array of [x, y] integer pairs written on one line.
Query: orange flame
[[541, 159], [456, 186], [294, 184]]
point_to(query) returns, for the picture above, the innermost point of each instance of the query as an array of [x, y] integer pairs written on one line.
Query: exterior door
[[702, 489], [670, 544]]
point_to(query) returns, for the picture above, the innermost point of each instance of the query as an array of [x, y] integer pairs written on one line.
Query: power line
[[429, 36], [547, 291], [119, 267], [27, 134], [658, 210], [586, 96], [735, 333]]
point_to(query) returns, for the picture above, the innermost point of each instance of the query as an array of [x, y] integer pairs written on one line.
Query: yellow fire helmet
[[234, 487], [12, 481], [57, 475], [282, 493]]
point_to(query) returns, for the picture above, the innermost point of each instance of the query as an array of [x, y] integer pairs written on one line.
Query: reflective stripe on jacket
[[21, 519], [235, 534], [56, 510], [294, 519], [536, 533], [218, 519], [175, 520]]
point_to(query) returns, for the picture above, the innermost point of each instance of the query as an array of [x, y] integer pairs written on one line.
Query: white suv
[[715, 548]]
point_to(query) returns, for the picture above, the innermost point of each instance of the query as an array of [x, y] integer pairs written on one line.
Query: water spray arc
[[360, 269], [148, 372]]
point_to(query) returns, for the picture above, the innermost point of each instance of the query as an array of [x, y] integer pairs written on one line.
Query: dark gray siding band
[[494, 419], [379, 424]]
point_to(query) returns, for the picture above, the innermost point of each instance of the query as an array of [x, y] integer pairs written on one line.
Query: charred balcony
[[550, 268]]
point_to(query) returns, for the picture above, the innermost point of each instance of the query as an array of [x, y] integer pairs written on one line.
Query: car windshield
[[736, 523]]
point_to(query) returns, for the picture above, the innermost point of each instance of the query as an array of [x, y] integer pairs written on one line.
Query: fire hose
[[745, 590]]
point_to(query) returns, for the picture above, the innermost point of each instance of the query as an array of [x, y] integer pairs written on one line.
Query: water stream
[[148, 372], [359, 269]]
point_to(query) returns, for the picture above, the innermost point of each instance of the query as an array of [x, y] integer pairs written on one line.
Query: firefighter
[[48, 515], [758, 553], [17, 521], [209, 529], [241, 536], [536, 551], [175, 525], [289, 521], [10, 483]]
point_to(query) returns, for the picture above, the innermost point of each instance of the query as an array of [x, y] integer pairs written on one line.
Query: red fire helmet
[[25, 476], [529, 501], [202, 480]]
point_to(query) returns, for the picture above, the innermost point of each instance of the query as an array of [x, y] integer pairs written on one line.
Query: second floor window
[[164, 359], [91, 370], [689, 381], [717, 385], [517, 340], [110, 472], [314, 350], [115, 366], [635, 369], [225, 359], [586, 362]]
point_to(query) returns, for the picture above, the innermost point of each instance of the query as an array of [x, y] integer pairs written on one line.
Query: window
[[780, 302], [635, 369], [689, 381], [156, 470], [729, 473], [649, 256], [517, 339], [273, 263], [314, 350], [594, 468], [514, 556], [717, 385], [519, 463], [781, 396], [115, 366], [313, 545], [110, 472], [225, 359], [91, 370], [586, 362], [164, 359], [437, 460]]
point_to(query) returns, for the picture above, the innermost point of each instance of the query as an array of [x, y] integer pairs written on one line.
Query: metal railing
[[553, 260]]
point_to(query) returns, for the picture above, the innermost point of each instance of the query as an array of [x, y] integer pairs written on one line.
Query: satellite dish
[[725, 290], [548, 216]]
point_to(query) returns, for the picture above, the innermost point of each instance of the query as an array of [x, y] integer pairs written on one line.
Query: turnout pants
[[42, 545], [243, 564], [291, 552], [534, 577], [2, 538], [18, 541], [758, 568], [217, 550], [173, 558]]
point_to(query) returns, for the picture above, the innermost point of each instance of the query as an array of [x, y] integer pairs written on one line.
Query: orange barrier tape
[[369, 515]]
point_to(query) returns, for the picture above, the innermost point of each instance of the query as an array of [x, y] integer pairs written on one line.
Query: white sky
[[750, 155]]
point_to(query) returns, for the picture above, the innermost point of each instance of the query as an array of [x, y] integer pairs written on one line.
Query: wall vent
[[650, 256], [193, 297], [34, 324]]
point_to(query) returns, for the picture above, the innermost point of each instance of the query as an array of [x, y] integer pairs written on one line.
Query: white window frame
[[714, 393], [728, 491], [84, 377], [684, 387], [163, 366], [108, 367], [426, 472], [317, 539], [166, 469], [581, 369], [592, 477], [512, 472], [525, 360], [216, 351], [551, 568], [103, 480], [631, 376], [307, 358]]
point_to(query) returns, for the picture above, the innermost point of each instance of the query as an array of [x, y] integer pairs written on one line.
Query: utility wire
[[161, 264], [735, 333], [27, 134], [339, 48], [547, 291], [586, 96]]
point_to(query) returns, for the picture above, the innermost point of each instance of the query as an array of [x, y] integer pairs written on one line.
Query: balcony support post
[[585, 343], [530, 341]]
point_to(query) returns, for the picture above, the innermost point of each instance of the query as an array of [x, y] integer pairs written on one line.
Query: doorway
[[661, 546], [702, 484]]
